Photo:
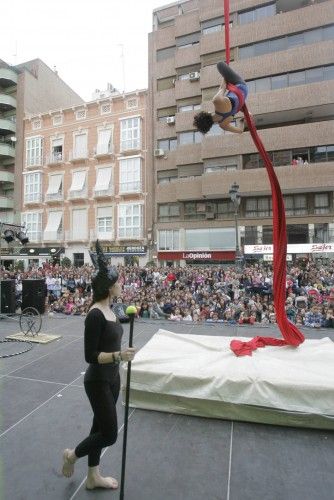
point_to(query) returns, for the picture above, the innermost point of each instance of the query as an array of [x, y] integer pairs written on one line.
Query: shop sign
[[119, 250], [269, 257], [205, 256], [41, 252], [295, 248]]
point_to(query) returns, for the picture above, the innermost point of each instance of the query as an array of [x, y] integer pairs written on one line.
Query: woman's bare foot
[[69, 459], [95, 480]]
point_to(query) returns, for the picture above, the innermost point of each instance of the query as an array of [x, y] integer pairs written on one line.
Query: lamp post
[[235, 198]]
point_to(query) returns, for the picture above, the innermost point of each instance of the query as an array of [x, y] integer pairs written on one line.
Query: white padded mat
[[203, 370]]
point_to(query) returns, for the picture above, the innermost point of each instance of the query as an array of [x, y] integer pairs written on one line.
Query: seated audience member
[[314, 318]]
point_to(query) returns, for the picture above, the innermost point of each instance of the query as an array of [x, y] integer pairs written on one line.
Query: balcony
[[6, 150], [36, 161], [54, 197], [55, 158], [8, 77], [53, 236], [6, 177], [186, 88], [103, 151], [165, 98], [33, 199], [6, 203], [103, 193], [78, 155], [78, 195], [7, 126], [7, 102], [95, 234], [133, 187], [187, 56], [70, 237]]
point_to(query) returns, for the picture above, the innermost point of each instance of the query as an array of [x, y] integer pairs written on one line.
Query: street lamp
[[235, 198]]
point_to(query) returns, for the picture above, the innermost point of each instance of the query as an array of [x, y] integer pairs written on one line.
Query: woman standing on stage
[[102, 338]]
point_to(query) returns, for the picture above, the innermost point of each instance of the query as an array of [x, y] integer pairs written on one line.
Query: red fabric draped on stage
[[291, 335]]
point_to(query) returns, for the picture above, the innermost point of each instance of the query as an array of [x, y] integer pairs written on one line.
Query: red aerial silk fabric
[[291, 334]]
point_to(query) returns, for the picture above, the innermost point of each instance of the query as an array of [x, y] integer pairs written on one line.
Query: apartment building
[[86, 176], [284, 49]]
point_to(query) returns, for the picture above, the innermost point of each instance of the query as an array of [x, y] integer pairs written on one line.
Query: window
[[130, 134], [80, 114], [279, 82], [103, 180], [56, 150], [322, 153], [130, 175], [55, 188], [80, 146], [164, 113], [166, 53], [221, 168], [105, 108], [104, 217], [251, 235], [33, 224], [57, 120], [166, 83], [255, 14], [168, 144], [53, 229], [296, 78], [189, 107], [225, 208], [210, 239], [78, 259], [169, 239], [132, 103], [32, 187], [321, 203], [79, 224], [296, 204], [188, 40], [34, 152], [104, 141], [190, 137], [166, 176], [258, 207], [286, 42], [36, 124], [130, 221], [321, 233], [168, 211], [78, 183]]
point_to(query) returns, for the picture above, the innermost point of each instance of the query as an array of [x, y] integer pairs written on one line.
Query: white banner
[[269, 257], [292, 248]]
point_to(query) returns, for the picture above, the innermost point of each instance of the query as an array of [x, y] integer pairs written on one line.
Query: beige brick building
[[87, 176], [284, 49]]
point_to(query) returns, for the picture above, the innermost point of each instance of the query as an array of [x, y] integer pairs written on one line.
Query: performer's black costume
[[102, 381]]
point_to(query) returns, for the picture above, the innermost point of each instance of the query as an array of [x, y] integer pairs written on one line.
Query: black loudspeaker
[[33, 294], [8, 300]]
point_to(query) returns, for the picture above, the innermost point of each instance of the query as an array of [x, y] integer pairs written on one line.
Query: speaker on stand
[[7, 297], [33, 294]]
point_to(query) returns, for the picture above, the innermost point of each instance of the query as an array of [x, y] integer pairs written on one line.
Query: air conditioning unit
[[194, 76], [210, 215], [158, 153], [170, 120]]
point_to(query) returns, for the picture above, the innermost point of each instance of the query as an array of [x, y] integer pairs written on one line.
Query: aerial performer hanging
[[291, 335], [229, 99]]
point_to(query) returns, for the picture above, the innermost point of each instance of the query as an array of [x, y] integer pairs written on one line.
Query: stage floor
[[43, 409]]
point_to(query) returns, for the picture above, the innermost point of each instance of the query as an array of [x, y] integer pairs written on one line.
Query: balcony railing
[[54, 197], [104, 150], [130, 187], [33, 198], [77, 195], [55, 158], [102, 193], [53, 235], [78, 154], [35, 161], [101, 235]]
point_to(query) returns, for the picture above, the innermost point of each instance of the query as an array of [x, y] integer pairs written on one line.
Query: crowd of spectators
[[222, 294]]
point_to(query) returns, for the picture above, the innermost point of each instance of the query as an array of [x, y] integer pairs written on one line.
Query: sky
[[82, 39]]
